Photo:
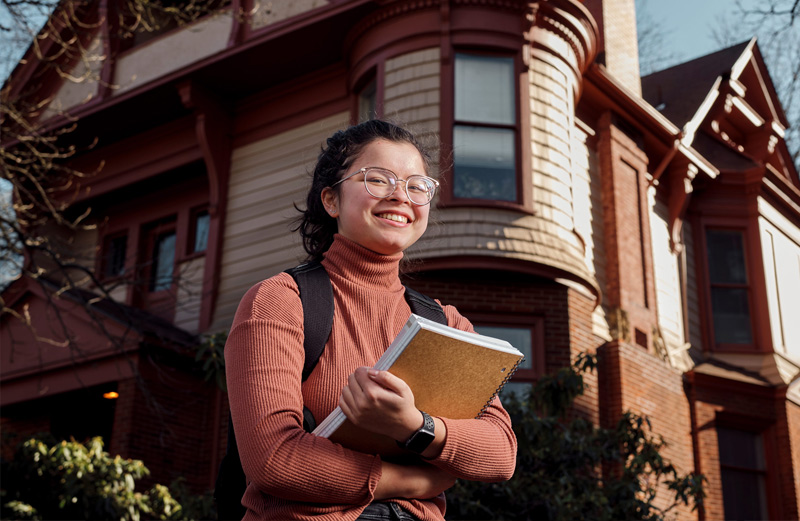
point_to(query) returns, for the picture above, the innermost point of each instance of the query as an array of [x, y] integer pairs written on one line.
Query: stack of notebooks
[[453, 374]]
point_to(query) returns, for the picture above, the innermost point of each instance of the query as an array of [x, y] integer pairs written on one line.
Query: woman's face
[[386, 226]]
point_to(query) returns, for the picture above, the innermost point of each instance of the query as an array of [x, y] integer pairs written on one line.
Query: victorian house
[[654, 221]]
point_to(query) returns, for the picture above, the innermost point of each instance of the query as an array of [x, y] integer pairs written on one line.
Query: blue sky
[[687, 25]]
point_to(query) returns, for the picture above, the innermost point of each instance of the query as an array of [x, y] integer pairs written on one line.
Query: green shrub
[[70, 480], [568, 469]]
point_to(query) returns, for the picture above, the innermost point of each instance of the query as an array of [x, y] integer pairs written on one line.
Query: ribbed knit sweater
[[293, 474]]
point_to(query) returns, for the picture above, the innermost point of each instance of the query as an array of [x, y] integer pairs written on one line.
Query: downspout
[[691, 391]]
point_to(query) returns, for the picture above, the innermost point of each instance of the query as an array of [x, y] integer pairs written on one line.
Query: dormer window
[[729, 289]]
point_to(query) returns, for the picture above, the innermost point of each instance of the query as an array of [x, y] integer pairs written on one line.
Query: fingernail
[[373, 372]]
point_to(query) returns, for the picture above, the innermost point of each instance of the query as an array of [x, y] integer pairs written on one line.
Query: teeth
[[394, 217]]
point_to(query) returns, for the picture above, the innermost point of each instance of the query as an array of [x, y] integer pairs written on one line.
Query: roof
[[150, 327], [677, 92]]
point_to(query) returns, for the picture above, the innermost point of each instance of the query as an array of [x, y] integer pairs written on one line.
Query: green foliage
[[569, 469], [211, 358], [70, 480]]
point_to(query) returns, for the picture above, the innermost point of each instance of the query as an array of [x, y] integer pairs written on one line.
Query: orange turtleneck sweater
[[293, 474]]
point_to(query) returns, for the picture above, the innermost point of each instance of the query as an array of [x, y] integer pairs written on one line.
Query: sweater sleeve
[[264, 358], [483, 449]]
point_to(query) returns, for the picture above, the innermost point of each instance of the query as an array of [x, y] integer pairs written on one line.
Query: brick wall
[[749, 407], [791, 476], [632, 379], [169, 420]]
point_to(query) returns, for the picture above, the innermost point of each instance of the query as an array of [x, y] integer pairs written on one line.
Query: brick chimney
[[619, 49]]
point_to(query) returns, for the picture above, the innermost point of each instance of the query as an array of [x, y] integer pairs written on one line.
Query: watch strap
[[420, 440]]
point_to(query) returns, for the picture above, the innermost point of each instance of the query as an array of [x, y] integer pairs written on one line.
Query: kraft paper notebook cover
[[453, 374]]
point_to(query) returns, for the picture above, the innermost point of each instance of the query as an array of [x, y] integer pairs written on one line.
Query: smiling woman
[[369, 201]]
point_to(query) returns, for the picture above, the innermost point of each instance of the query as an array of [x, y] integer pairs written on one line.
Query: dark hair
[[340, 151]]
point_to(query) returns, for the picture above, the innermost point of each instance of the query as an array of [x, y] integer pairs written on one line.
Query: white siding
[[266, 12], [173, 51], [266, 178], [692, 295], [780, 241], [189, 297], [81, 84]]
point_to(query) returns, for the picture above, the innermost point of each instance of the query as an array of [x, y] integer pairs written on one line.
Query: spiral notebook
[[452, 373]]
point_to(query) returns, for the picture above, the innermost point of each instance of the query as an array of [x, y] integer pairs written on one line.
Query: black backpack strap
[[425, 306], [316, 294]]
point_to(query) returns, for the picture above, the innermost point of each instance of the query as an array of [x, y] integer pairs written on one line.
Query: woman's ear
[[330, 200]]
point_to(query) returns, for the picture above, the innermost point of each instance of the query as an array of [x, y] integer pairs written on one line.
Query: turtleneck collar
[[355, 263]]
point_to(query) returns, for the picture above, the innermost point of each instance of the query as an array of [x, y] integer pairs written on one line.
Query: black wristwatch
[[420, 440]]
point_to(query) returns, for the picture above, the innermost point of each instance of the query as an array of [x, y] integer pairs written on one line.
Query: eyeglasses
[[382, 183]]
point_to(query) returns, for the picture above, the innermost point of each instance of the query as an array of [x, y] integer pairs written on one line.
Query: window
[[163, 261], [115, 250], [743, 472], [485, 128], [200, 224], [727, 271], [522, 339], [367, 102]]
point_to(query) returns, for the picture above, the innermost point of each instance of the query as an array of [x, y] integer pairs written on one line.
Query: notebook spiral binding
[[500, 387]]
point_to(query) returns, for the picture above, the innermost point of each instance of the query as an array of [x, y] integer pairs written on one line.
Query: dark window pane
[[731, 316], [163, 261], [485, 166], [740, 448], [116, 250], [743, 490], [726, 263], [484, 89], [519, 337], [367, 101], [201, 231]]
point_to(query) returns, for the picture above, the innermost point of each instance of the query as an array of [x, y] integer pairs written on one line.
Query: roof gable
[[729, 96]]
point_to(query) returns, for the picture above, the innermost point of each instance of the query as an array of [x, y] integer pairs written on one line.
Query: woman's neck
[[351, 261]]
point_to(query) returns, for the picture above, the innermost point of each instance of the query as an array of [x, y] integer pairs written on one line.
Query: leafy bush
[[70, 480], [567, 468]]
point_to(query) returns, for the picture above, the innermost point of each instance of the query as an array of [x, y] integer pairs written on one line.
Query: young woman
[[369, 201]]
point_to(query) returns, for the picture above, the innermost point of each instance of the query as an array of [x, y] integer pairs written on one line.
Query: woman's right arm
[[264, 358]]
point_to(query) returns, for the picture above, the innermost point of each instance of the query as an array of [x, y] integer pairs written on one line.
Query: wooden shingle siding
[[266, 178], [411, 93], [189, 294]]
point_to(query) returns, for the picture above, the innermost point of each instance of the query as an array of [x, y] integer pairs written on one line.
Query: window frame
[[189, 251], [765, 428], [446, 198], [150, 233], [708, 286], [103, 260], [534, 323]]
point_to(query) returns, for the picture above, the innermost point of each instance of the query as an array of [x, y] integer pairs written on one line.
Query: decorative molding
[[213, 129], [619, 326]]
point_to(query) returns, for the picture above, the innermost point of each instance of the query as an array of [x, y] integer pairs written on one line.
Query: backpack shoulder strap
[[425, 306], [316, 295]]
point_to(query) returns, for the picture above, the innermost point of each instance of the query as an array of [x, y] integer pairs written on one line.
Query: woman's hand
[[380, 402], [421, 481]]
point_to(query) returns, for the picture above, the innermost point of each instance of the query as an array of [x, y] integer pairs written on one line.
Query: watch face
[[420, 440]]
